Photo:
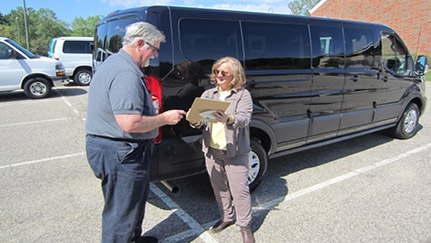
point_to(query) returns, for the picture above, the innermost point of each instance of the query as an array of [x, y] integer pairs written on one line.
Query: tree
[[42, 25], [5, 28], [302, 7], [85, 27]]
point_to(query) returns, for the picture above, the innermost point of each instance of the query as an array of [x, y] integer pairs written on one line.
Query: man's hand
[[172, 117]]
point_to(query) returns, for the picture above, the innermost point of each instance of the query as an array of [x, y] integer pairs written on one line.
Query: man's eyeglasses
[[155, 49], [223, 73]]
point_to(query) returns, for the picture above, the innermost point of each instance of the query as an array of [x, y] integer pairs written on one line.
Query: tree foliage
[[85, 27], [302, 7], [43, 25]]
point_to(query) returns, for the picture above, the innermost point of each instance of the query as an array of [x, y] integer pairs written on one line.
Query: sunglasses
[[155, 49], [223, 73]]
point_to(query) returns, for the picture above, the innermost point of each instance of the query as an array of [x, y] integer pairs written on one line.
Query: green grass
[[428, 76]]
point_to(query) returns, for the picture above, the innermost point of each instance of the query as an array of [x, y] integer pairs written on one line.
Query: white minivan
[[75, 52], [21, 69]]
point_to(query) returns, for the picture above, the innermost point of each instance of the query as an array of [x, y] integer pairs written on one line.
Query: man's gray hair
[[142, 30]]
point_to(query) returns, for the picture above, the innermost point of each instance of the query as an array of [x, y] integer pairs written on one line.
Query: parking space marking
[[74, 110], [27, 102], [196, 228], [34, 122], [273, 203], [41, 160]]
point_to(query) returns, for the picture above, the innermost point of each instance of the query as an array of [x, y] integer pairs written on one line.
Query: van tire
[[82, 77], [37, 88], [407, 126], [258, 163]]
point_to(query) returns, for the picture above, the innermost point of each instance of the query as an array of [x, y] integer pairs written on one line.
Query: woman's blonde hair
[[238, 80]]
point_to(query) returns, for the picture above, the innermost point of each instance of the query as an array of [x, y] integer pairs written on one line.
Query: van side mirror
[[421, 64], [11, 53]]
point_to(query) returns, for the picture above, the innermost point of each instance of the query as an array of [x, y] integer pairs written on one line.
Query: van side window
[[276, 46], [4, 51], [360, 48], [77, 47], [328, 47], [394, 55], [208, 40]]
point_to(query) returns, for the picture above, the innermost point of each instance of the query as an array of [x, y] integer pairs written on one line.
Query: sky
[[68, 10]]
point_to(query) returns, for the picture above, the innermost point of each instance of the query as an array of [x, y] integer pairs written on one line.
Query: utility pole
[[17, 27], [25, 25]]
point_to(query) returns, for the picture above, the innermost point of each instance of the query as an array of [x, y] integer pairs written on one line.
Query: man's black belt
[[123, 139]]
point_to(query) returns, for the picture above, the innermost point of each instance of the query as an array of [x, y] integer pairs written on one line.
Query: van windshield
[[22, 49]]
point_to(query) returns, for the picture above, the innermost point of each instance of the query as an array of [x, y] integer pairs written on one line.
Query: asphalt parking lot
[[370, 189]]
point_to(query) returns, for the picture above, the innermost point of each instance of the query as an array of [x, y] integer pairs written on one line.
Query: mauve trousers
[[228, 178]]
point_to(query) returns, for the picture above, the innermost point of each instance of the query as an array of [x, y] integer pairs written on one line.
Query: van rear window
[[78, 47]]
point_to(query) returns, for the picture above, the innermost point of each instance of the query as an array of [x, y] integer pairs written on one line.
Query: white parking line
[[65, 100], [41, 160], [271, 204], [198, 229], [34, 122]]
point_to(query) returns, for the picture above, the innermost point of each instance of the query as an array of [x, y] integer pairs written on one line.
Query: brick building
[[410, 19]]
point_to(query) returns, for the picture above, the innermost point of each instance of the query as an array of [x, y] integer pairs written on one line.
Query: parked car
[[313, 81], [21, 69], [75, 54]]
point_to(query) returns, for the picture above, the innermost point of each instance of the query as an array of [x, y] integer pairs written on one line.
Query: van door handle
[[385, 78], [354, 78]]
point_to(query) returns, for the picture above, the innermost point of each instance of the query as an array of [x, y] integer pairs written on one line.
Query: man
[[121, 124]]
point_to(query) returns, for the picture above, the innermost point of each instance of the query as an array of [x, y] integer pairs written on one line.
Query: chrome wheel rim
[[38, 88], [84, 78], [253, 167], [410, 121]]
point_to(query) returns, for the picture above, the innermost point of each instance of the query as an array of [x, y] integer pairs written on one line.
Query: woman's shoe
[[247, 235], [220, 225]]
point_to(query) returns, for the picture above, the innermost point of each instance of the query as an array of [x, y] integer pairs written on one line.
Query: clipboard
[[202, 109]]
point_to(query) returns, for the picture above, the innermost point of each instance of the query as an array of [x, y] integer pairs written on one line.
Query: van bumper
[[57, 80]]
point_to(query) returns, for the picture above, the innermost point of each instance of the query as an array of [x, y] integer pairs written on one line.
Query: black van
[[314, 81]]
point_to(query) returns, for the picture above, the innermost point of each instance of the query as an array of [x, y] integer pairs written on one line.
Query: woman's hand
[[220, 116]]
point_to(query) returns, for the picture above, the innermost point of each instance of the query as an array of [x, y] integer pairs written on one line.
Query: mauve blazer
[[238, 133]]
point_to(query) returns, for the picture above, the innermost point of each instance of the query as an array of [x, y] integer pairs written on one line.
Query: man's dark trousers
[[124, 169]]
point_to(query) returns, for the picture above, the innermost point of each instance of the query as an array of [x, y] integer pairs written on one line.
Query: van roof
[[143, 9], [74, 38]]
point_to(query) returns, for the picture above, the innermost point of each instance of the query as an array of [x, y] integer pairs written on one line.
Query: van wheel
[[83, 77], [407, 126], [258, 162], [37, 88]]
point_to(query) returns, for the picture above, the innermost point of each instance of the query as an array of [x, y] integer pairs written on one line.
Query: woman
[[226, 145]]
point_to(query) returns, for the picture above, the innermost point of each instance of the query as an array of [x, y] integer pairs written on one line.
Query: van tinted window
[[276, 46], [394, 55], [81, 47], [328, 47], [209, 40], [360, 49]]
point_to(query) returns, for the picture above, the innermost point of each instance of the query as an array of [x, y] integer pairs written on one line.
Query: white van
[[21, 69], [76, 55]]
